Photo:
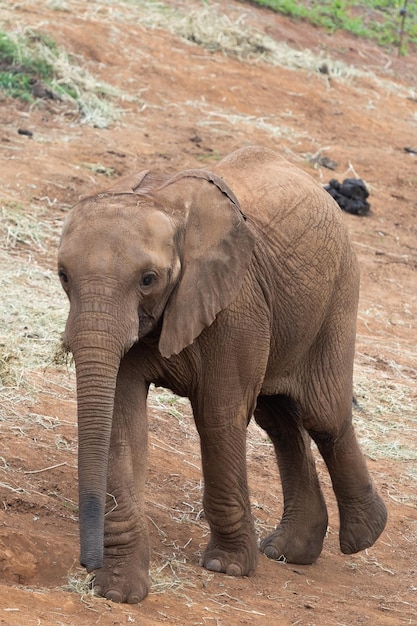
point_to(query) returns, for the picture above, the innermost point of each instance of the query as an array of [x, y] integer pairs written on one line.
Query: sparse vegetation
[[21, 65], [379, 20], [30, 325], [217, 32], [33, 67]]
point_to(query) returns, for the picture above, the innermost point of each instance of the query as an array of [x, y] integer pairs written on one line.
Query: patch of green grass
[[17, 85], [379, 20], [28, 58], [21, 64], [20, 53]]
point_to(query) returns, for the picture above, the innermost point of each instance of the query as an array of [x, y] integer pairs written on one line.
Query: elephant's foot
[[296, 543], [121, 581], [360, 526], [233, 562]]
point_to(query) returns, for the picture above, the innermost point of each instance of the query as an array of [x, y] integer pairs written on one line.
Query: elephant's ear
[[216, 251]]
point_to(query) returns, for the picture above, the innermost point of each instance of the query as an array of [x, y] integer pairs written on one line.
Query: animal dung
[[351, 195]]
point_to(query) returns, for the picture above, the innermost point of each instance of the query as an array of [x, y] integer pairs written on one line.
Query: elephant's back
[[287, 207], [270, 188], [302, 236]]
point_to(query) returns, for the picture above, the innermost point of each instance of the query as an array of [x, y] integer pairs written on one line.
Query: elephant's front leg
[[232, 548], [124, 576]]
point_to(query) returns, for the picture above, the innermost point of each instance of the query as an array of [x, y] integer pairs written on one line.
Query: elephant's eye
[[63, 276], [148, 279]]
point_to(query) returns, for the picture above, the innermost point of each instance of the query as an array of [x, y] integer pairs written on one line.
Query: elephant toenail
[[214, 565], [234, 570], [114, 596], [271, 553], [133, 599]]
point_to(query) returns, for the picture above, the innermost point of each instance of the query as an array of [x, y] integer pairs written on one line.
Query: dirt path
[[185, 106]]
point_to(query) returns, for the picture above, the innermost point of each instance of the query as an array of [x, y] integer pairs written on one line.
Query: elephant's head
[[150, 255]]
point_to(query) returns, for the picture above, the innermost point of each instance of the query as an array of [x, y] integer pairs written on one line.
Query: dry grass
[[221, 120], [215, 31], [94, 99], [80, 583], [210, 28], [32, 308], [384, 428], [385, 382], [91, 101]]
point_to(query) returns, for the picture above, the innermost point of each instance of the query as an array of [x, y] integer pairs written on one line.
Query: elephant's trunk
[[97, 357]]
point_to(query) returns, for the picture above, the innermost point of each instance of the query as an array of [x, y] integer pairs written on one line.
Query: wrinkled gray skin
[[237, 288]]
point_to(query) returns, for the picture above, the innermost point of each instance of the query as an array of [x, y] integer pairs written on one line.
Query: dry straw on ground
[[214, 30], [90, 100], [32, 308]]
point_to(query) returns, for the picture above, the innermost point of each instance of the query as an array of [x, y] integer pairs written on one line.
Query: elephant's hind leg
[[362, 512], [299, 536], [327, 416]]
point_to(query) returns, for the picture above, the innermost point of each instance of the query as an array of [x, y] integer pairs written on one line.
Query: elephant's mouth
[[147, 323]]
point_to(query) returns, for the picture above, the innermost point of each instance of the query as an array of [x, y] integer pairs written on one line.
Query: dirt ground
[[190, 107]]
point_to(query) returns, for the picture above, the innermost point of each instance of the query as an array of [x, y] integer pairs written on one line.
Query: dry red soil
[[192, 107]]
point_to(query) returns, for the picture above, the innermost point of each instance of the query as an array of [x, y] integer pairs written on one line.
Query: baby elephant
[[238, 288]]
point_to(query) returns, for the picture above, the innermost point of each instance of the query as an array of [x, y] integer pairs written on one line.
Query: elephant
[[236, 287]]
